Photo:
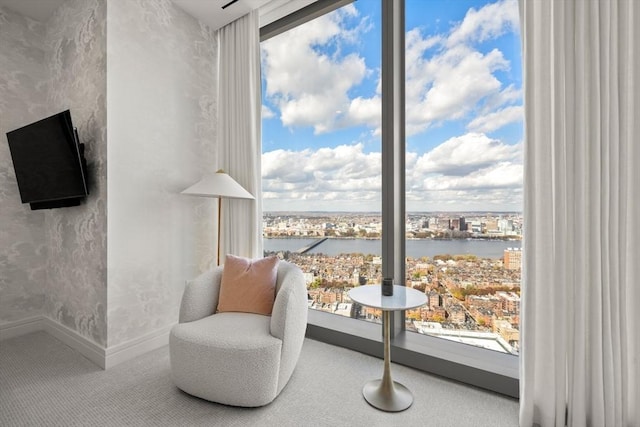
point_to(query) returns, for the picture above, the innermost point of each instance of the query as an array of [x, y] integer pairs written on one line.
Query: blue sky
[[321, 109]]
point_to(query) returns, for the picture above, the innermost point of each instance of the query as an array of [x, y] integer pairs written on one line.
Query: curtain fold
[[581, 276], [239, 133]]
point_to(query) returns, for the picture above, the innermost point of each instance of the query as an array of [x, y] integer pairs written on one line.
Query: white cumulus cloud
[[501, 175], [464, 172], [467, 172], [306, 75], [459, 79], [311, 82], [461, 155], [497, 119], [447, 78], [344, 173], [267, 113], [490, 21]]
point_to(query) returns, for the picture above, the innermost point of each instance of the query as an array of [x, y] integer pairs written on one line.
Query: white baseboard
[[136, 347], [104, 358], [79, 343], [20, 327]]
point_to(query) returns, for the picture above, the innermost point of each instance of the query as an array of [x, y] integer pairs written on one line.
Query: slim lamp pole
[[219, 222], [218, 185]]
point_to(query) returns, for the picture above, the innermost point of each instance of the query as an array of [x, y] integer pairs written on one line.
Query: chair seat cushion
[[229, 358]]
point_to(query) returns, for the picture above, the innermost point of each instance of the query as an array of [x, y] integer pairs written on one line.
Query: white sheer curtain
[[239, 139], [581, 278]]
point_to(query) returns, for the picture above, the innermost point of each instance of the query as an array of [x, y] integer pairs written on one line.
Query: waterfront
[[415, 248]]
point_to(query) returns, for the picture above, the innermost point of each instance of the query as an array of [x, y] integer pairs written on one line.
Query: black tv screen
[[48, 161]]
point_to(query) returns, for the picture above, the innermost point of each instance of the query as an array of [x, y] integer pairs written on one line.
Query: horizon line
[[380, 212]]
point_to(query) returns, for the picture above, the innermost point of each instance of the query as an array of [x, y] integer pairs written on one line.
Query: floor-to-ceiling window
[[464, 169], [463, 176], [321, 153]]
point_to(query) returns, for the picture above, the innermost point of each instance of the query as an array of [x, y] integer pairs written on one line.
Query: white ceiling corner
[[209, 12], [276, 9]]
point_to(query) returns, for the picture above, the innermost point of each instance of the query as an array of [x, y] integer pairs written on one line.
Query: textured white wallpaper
[[23, 246], [53, 262], [161, 108], [75, 56]]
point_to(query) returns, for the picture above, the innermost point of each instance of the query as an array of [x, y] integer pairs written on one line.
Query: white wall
[[161, 124], [140, 78]]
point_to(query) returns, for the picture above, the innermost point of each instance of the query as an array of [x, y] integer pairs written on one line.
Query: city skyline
[[321, 110]]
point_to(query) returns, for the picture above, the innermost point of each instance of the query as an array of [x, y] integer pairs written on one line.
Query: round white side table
[[386, 394]]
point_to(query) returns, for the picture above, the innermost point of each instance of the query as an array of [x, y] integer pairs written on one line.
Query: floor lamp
[[219, 185]]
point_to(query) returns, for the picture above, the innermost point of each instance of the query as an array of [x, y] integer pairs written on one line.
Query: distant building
[[433, 223], [488, 340], [491, 302], [507, 332], [512, 258], [483, 316], [490, 226], [436, 314], [509, 301], [355, 277], [434, 299], [505, 225], [308, 278], [456, 314], [342, 309]]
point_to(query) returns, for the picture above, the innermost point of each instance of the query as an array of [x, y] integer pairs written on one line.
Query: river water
[[414, 248]]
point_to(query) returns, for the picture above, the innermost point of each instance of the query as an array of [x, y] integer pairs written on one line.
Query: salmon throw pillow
[[248, 285]]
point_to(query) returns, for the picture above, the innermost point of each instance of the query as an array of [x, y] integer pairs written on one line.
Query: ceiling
[[211, 12], [208, 11]]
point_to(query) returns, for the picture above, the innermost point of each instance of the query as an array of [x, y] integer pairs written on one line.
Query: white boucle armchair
[[238, 359]]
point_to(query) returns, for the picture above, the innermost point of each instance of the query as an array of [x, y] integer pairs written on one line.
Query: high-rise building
[[463, 224]]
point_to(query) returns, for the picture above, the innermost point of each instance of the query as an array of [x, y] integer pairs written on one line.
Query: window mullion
[[393, 148]]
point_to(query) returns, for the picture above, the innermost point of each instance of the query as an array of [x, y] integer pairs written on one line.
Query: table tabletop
[[403, 298]]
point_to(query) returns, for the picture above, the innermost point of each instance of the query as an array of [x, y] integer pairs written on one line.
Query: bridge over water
[[311, 246]]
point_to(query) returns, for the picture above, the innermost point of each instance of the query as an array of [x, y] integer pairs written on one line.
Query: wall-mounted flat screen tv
[[49, 162]]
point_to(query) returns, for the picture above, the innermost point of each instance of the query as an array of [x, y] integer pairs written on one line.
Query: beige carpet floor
[[45, 383]]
